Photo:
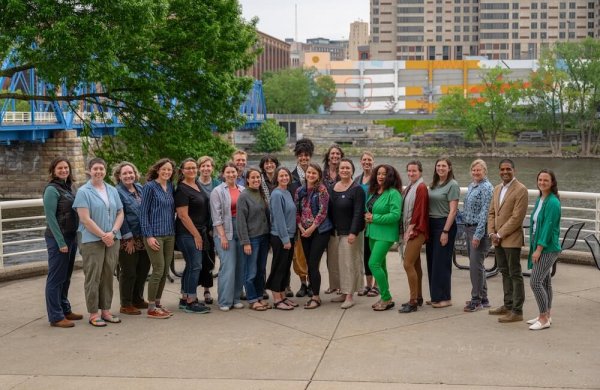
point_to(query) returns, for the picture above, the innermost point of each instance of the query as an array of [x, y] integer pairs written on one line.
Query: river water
[[580, 175]]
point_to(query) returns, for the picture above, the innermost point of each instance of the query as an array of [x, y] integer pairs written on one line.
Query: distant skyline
[[316, 18]]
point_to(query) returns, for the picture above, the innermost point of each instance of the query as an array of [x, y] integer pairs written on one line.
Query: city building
[[275, 56], [496, 29], [405, 86], [338, 49], [359, 36]]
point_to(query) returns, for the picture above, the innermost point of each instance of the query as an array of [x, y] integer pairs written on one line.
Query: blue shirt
[[131, 208], [476, 206], [283, 215], [104, 216], [157, 214]]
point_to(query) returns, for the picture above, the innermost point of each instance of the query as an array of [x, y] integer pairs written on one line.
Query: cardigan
[[387, 211], [548, 227]]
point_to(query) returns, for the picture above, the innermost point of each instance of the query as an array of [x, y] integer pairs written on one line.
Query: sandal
[[309, 305], [291, 303], [281, 305], [364, 291], [332, 290], [97, 322], [258, 306], [384, 305], [373, 292], [208, 298], [112, 319], [375, 304], [266, 304]]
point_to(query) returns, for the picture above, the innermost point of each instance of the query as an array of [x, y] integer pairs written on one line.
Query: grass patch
[[408, 126]]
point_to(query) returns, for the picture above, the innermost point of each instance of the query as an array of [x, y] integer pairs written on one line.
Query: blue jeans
[[231, 271], [193, 264], [255, 268], [60, 268]]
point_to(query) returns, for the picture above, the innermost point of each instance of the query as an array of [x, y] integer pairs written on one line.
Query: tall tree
[[581, 62], [486, 114], [167, 66], [547, 92], [298, 91]]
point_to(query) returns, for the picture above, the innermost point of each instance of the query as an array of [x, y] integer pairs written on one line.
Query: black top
[[198, 207], [347, 209]]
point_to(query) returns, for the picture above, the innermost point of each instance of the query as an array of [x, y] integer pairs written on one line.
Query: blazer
[[548, 227], [387, 212], [220, 209], [507, 218]]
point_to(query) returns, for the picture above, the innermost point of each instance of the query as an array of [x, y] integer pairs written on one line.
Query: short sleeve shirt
[[440, 197], [198, 205]]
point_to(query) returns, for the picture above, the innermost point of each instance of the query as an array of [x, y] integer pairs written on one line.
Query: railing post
[[597, 228], [1, 241]]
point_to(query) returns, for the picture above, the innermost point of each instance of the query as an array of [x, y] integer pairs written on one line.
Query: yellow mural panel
[[414, 91]]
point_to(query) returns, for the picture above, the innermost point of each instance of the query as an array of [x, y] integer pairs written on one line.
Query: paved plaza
[[326, 348]]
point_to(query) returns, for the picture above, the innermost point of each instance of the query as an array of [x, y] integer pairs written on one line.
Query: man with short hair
[[505, 227], [240, 159]]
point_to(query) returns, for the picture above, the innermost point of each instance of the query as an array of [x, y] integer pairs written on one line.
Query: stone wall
[[24, 165]]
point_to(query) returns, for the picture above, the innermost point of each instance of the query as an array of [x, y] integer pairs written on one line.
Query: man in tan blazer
[[505, 228]]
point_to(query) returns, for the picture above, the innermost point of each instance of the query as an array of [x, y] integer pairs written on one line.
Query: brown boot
[[64, 323], [511, 317], [73, 316], [499, 311]]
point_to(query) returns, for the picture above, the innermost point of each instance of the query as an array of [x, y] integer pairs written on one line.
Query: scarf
[[265, 188], [410, 194], [301, 175]]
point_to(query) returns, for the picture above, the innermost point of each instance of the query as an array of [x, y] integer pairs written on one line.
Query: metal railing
[[576, 207]]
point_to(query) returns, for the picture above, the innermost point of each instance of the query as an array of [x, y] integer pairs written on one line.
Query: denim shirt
[[131, 207], [476, 206], [88, 198]]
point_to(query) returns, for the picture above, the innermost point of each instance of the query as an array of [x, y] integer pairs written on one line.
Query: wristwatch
[[114, 232]]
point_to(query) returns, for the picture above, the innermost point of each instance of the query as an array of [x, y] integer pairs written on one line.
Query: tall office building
[[496, 29], [359, 36]]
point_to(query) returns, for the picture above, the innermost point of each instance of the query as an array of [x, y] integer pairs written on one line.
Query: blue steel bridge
[[41, 118]]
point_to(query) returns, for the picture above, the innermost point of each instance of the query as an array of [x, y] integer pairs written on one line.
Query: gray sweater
[[252, 216], [283, 215]]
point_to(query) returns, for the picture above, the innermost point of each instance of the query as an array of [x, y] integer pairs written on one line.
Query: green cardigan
[[387, 212], [548, 227]]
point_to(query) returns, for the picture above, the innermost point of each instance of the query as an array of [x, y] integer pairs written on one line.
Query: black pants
[[280, 265], [367, 256], [208, 264], [313, 247]]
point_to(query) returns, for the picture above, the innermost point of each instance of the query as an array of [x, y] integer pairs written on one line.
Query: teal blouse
[[547, 232]]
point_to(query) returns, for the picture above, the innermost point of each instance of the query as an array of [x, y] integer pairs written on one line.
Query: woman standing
[[253, 233], [443, 204], [475, 213], [158, 228], [267, 166], [544, 248], [61, 242], [193, 220], [384, 208], [314, 225], [283, 231], [331, 162], [367, 161], [344, 253], [415, 231], [100, 217], [133, 258], [223, 210], [207, 183]]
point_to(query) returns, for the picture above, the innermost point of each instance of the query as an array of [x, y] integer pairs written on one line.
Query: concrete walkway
[[326, 348]]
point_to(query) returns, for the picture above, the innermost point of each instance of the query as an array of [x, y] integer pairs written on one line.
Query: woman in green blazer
[[544, 230], [383, 212]]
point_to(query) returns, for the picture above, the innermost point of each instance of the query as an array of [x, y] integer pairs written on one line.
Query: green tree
[[168, 67], [547, 92], [298, 91], [581, 62], [270, 137], [487, 114]]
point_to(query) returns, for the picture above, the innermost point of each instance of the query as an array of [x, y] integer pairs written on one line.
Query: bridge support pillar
[[24, 165]]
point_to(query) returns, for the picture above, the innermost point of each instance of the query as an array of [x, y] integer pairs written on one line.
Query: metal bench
[[460, 246], [594, 244]]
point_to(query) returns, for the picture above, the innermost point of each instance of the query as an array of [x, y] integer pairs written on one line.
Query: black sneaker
[[288, 292], [473, 306], [182, 304], [302, 292], [485, 303], [309, 291], [197, 308]]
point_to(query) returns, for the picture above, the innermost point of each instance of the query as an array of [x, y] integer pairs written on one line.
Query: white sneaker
[[539, 326], [238, 305], [534, 320], [224, 308]]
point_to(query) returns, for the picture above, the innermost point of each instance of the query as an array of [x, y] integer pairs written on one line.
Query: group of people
[[298, 215]]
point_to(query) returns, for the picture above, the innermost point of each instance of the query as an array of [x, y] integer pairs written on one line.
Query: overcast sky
[[316, 18]]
